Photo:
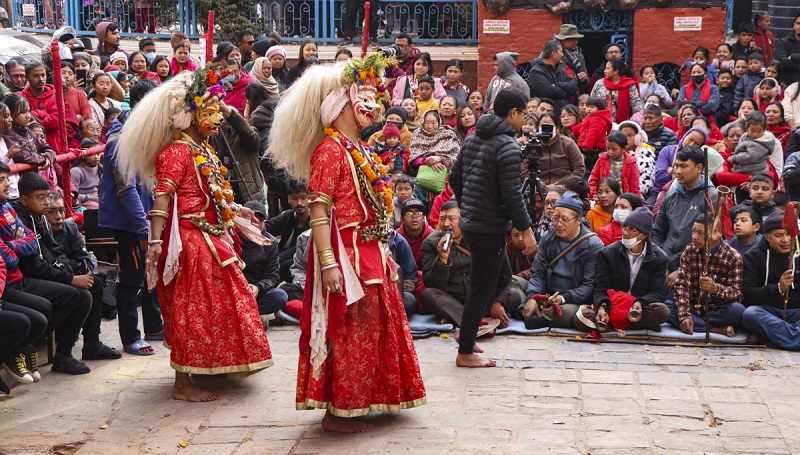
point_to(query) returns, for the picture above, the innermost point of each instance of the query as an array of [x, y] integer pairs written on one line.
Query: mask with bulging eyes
[[365, 109], [208, 118]]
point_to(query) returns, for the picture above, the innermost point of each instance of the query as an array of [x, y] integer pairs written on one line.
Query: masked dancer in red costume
[[211, 320], [356, 351]]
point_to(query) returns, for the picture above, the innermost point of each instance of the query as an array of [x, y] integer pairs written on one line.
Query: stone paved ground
[[548, 395]]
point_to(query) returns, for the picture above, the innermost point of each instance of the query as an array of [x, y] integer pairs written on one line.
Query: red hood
[[49, 91], [605, 114]]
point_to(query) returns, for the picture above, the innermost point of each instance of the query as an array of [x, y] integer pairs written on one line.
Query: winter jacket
[[401, 84], [100, 32], [629, 176], [610, 233], [575, 67], [593, 130], [672, 230], [745, 88], [636, 104], [791, 103], [485, 179], [245, 144], [506, 76], [646, 90], [548, 81], [614, 272], [750, 156], [72, 245], [405, 137], [37, 153], [404, 258], [666, 158], [416, 243], [80, 104], [741, 51], [787, 51], [791, 172], [706, 108], [453, 277], [235, 96], [44, 108], [298, 268], [262, 263], [725, 110], [763, 268], [598, 218], [561, 159], [763, 212], [584, 268], [11, 248], [661, 137], [50, 264], [123, 204], [645, 156], [285, 225]]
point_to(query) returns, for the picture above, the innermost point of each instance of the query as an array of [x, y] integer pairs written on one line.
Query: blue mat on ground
[[516, 326], [286, 317], [669, 332], [609, 334], [428, 322]]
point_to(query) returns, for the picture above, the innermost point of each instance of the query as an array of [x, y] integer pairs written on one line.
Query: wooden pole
[[706, 239], [365, 34], [62, 145]]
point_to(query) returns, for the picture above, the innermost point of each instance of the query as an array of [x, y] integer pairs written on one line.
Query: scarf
[[443, 142], [573, 60], [705, 94], [623, 96], [190, 66], [269, 82], [781, 133]]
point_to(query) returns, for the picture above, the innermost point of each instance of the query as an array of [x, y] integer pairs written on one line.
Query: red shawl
[[623, 97], [782, 134], [704, 95]]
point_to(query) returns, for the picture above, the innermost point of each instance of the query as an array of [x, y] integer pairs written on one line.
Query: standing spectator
[[261, 70], [350, 18], [505, 76], [76, 98], [761, 34], [453, 70], [181, 60], [289, 225], [107, 38], [259, 49], [658, 135], [619, 90], [245, 41], [235, 97], [100, 103], [573, 56], [745, 45], [307, 49], [787, 51], [548, 79], [406, 57], [161, 66], [277, 55], [700, 91], [610, 50], [14, 75], [137, 67], [42, 99]]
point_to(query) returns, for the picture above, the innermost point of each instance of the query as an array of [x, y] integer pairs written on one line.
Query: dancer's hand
[[153, 253], [332, 281]]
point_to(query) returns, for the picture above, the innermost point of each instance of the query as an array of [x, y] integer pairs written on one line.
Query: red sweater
[[43, 107], [629, 175], [610, 233], [593, 130]]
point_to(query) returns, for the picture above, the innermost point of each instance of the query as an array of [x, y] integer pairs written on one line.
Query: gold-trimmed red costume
[[211, 320], [371, 364]]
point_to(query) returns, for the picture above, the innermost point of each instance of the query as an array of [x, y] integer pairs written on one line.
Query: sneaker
[[32, 362], [17, 368], [345, 42], [4, 389], [69, 365]]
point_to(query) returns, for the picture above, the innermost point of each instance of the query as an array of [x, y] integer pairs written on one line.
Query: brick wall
[[654, 40]]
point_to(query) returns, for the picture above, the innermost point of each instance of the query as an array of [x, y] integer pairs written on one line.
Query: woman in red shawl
[[620, 91], [777, 125], [701, 92]]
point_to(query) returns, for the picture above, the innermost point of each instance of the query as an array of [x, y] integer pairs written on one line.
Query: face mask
[[698, 78], [700, 62], [150, 57], [399, 125], [630, 243], [620, 215]]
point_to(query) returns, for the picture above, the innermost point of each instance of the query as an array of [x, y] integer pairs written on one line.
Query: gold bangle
[[327, 257], [160, 213], [324, 250], [329, 266], [319, 222]]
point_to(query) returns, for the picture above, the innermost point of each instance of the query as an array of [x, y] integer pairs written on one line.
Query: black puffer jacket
[[790, 67], [661, 138], [50, 264], [485, 179], [262, 264], [614, 272], [547, 81]]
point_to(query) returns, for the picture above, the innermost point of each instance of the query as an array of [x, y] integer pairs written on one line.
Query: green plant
[[230, 16]]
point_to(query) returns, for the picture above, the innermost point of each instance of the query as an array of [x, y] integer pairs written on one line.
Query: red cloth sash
[[623, 96]]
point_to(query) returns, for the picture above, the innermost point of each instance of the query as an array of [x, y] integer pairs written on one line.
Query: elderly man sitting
[[633, 272], [563, 272]]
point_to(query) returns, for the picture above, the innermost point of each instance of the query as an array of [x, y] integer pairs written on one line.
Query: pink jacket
[[398, 94]]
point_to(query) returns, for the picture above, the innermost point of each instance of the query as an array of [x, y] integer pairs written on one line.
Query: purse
[[430, 179]]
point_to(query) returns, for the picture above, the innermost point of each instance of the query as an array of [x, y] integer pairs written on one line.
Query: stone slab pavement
[[547, 395]]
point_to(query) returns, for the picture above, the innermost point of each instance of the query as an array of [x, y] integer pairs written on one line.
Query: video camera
[[534, 149], [391, 50]]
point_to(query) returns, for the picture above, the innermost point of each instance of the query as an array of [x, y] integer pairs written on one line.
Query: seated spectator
[[545, 105], [447, 111], [289, 225], [749, 81], [701, 90], [776, 124], [392, 153], [649, 86], [565, 264], [672, 231], [451, 81], [762, 190], [756, 148], [403, 191], [766, 284], [476, 100], [746, 224], [545, 223], [407, 270], [592, 132], [521, 268], [625, 204], [767, 91], [569, 117], [725, 112], [432, 145], [34, 150], [722, 283], [86, 178], [633, 266], [408, 86], [791, 170], [162, 68], [467, 118], [690, 117], [617, 164], [8, 155], [608, 190], [98, 98], [644, 154], [561, 156], [398, 116], [665, 163], [619, 91], [658, 135], [20, 327], [723, 58], [295, 287], [262, 267], [414, 228], [88, 128], [791, 104], [747, 107]]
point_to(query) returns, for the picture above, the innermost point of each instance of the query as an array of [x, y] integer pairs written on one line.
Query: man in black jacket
[[289, 225], [658, 135], [262, 264], [767, 279], [787, 51], [548, 78], [485, 180], [635, 266]]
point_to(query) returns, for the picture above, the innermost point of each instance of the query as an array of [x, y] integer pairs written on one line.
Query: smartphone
[[447, 237], [547, 129], [81, 75], [25, 144]]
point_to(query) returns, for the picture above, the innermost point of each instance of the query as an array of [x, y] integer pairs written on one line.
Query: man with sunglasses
[[245, 41]]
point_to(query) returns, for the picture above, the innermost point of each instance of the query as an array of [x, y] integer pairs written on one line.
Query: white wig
[[298, 128], [150, 128]]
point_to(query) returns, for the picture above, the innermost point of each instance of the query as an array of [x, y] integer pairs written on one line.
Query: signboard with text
[[688, 24], [496, 26]]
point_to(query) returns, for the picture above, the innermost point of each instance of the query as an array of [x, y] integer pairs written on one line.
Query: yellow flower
[[198, 160], [198, 101], [223, 170]]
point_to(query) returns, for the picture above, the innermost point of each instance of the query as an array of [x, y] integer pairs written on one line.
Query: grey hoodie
[[506, 77]]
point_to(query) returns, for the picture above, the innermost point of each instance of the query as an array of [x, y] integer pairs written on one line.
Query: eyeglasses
[[250, 43], [563, 220], [630, 230], [403, 46], [415, 214]]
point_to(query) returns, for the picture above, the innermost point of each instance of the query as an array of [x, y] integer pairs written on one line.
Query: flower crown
[[368, 72], [207, 82]]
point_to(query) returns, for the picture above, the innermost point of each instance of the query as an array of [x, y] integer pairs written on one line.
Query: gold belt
[[200, 222]]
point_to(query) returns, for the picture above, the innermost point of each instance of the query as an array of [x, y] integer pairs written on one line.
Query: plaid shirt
[[725, 268]]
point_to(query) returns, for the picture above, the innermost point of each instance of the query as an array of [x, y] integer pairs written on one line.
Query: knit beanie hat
[[390, 130], [119, 55], [641, 219], [261, 47], [276, 50], [652, 109], [773, 221], [571, 201], [397, 110]]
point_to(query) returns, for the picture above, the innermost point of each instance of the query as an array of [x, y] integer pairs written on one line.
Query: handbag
[[431, 179]]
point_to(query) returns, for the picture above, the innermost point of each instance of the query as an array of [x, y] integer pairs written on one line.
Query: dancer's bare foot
[[475, 348], [343, 425], [474, 361], [191, 393], [728, 331]]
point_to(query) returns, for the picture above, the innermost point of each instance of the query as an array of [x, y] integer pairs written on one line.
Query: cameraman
[[490, 159]]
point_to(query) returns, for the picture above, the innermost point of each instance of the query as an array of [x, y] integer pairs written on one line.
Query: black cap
[[412, 203], [257, 208], [261, 47]]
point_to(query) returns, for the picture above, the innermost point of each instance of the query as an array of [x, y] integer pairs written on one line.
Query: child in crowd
[[617, 164], [762, 191], [623, 206], [453, 70], [591, 133], [751, 155], [393, 154], [768, 91], [411, 107], [111, 114], [33, 148], [37, 129], [650, 86], [747, 84], [76, 98], [426, 101], [725, 112], [605, 199], [403, 191], [644, 153], [746, 224], [98, 98], [85, 177]]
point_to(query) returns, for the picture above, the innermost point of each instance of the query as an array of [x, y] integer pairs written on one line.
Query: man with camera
[[485, 181]]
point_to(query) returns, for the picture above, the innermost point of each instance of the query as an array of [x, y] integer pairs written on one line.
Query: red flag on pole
[[790, 220], [365, 35]]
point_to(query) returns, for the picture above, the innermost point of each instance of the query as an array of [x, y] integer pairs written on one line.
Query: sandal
[[158, 336], [99, 351], [137, 348], [69, 365]]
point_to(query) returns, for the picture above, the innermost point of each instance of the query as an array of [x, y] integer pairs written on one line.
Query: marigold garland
[[209, 166]]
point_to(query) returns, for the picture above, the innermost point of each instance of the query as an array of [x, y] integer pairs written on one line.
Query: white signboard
[[496, 26], [688, 24]]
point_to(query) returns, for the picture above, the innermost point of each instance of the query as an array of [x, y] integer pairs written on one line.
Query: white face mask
[[700, 62], [620, 215], [630, 243]]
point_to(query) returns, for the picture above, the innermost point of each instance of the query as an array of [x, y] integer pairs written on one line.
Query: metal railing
[[427, 21]]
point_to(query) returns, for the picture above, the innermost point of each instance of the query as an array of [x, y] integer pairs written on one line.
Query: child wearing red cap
[[392, 153]]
